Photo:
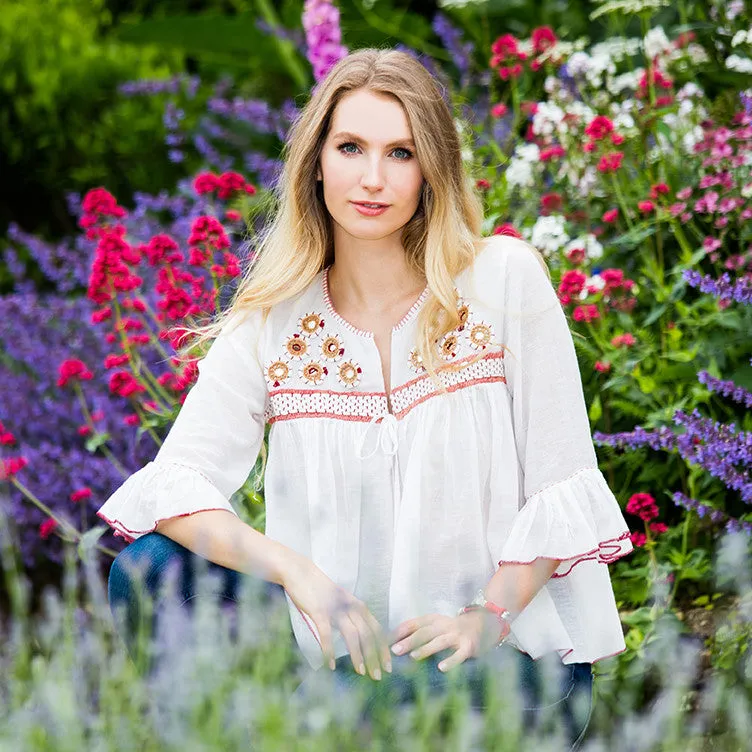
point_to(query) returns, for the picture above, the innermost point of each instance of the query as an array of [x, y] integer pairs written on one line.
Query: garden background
[[139, 142]]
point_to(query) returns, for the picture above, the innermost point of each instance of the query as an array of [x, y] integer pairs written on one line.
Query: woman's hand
[[331, 606], [470, 635]]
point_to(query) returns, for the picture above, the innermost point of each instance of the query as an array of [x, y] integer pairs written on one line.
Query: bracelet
[[502, 614]]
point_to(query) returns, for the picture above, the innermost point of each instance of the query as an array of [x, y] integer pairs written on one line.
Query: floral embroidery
[[311, 324], [449, 345], [463, 311], [296, 346], [313, 372], [480, 336], [331, 348], [277, 372], [349, 373], [416, 362]]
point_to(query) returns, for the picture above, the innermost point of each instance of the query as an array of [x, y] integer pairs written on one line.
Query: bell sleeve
[[211, 447], [566, 510]]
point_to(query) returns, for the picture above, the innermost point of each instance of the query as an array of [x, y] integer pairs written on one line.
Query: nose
[[372, 177]]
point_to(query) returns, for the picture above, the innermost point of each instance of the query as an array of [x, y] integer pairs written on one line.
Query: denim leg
[[139, 579], [571, 699]]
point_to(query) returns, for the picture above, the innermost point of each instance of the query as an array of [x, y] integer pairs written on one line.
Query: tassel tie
[[387, 440]]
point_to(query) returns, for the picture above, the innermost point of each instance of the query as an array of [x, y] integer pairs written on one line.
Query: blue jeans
[[141, 570]]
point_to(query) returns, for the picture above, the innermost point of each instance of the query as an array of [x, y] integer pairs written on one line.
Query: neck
[[373, 281]]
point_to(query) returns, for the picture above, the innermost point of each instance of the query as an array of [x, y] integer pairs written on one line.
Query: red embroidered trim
[[455, 388], [118, 524], [601, 558]]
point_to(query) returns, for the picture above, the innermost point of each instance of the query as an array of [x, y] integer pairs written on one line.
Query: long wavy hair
[[441, 239]]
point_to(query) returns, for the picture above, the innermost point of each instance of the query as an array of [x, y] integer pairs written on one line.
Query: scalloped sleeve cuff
[[156, 492], [577, 519]]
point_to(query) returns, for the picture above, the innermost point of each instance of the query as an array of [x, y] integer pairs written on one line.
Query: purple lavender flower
[[323, 36], [460, 51], [740, 290], [726, 388]]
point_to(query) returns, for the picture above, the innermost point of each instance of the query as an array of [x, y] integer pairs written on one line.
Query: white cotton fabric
[[413, 511]]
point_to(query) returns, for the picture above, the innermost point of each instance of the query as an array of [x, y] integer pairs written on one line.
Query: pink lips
[[370, 211]]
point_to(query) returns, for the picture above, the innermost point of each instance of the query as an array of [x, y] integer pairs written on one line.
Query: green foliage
[[63, 125]]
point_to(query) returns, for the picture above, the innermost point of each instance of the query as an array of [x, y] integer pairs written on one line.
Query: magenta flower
[[323, 36]]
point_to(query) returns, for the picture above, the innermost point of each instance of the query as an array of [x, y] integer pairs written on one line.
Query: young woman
[[429, 447]]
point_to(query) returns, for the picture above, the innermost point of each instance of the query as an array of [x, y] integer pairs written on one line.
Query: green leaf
[[97, 440], [596, 409], [655, 314], [89, 540]]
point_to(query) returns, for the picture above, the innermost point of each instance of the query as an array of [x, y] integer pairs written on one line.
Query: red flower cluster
[[73, 369], [507, 229], [9, 467], [81, 494], [610, 162], [623, 340], [6, 437], [46, 528], [643, 506], [98, 205], [225, 185]]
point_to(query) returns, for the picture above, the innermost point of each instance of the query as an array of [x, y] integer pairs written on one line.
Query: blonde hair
[[441, 239]]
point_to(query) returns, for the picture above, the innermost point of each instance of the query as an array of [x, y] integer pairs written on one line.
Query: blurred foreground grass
[[67, 683]]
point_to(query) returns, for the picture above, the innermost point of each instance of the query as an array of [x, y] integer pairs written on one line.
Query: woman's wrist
[[487, 626]]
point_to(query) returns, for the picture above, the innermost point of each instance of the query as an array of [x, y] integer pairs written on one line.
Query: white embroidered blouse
[[413, 510]]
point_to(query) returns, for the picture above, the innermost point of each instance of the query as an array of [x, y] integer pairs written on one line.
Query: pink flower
[[482, 184], [73, 369], [603, 366], [658, 189], [638, 539], [710, 244], [599, 127], [684, 194], [543, 38], [586, 313], [610, 162], [610, 215], [551, 202], [625, 340], [646, 206], [551, 152], [324, 47], [46, 528], [205, 182], [643, 506], [507, 229], [9, 467], [658, 527], [499, 110], [81, 494], [708, 203]]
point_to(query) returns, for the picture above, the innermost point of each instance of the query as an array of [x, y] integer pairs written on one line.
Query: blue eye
[[342, 148]]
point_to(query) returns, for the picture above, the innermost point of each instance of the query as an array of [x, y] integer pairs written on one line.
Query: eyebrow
[[355, 137]]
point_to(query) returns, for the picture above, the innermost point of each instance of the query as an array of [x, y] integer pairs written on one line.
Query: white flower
[[656, 42], [623, 121], [593, 248], [697, 53], [688, 91], [519, 173], [587, 182], [548, 233], [691, 138], [629, 80], [546, 119], [734, 8], [579, 64], [741, 37], [738, 63], [595, 281], [617, 48]]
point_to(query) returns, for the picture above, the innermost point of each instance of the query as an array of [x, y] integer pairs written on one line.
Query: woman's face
[[368, 155]]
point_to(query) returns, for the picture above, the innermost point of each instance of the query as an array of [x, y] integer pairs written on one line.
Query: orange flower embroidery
[[311, 324], [313, 372], [416, 362], [277, 372], [331, 348], [349, 373], [464, 313], [449, 346], [480, 336], [296, 346]]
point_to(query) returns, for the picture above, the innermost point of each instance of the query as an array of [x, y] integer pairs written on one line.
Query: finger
[[352, 639], [367, 644], [416, 639], [405, 629], [458, 657], [382, 645], [442, 642], [325, 636]]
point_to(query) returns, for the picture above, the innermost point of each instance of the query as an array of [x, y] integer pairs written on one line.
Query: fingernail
[[397, 649], [388, 667], [377, 675], [332, 664], [442, 666], [362, 669]]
